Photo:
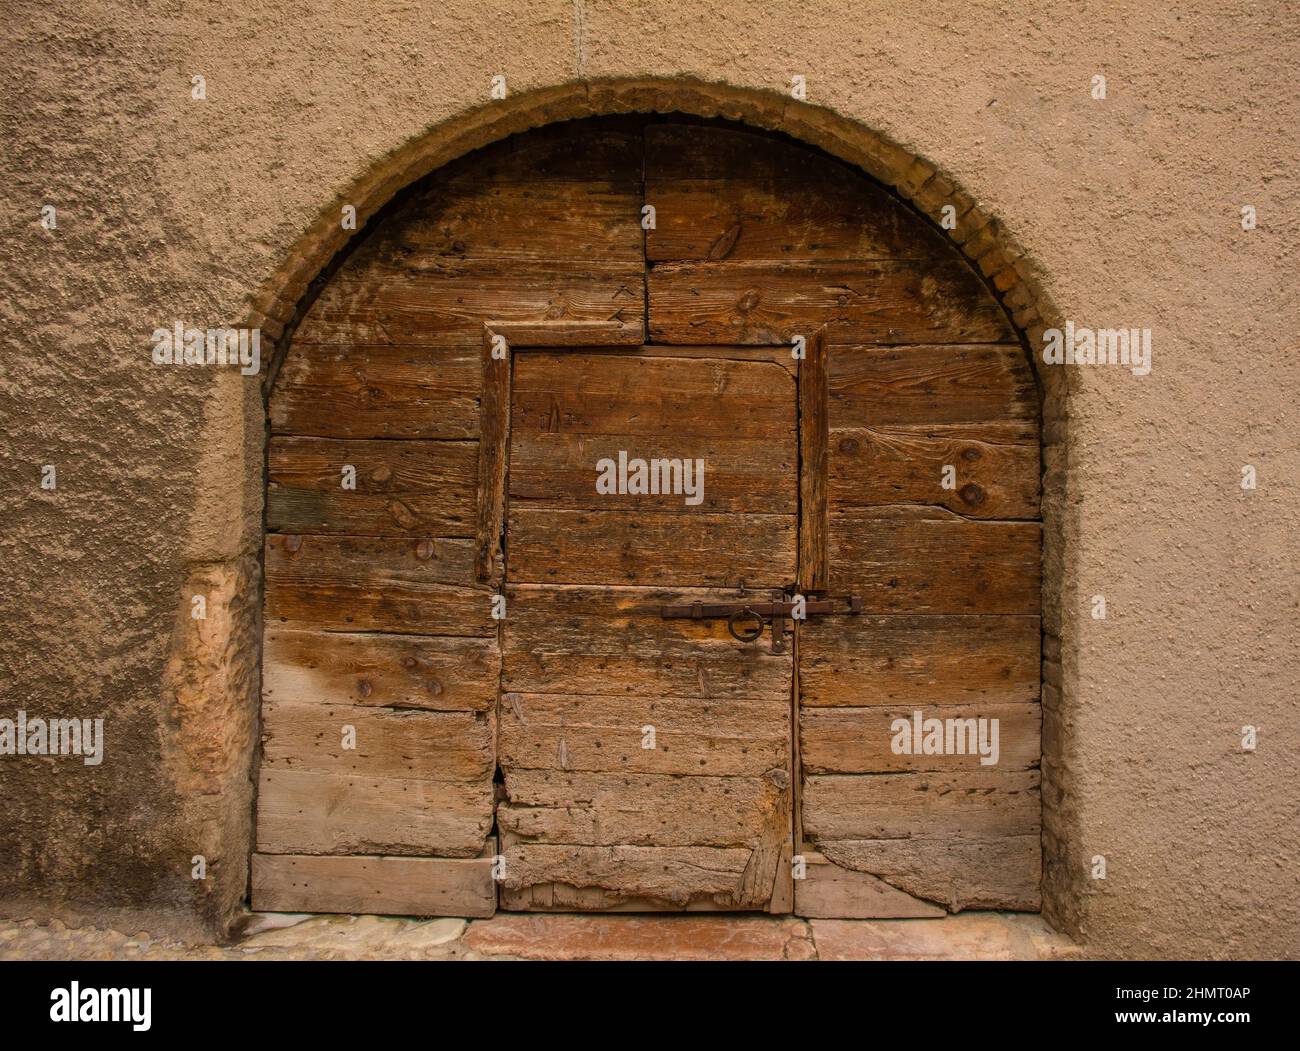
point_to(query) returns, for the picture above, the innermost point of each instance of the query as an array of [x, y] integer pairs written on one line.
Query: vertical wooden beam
[[493, 452], [814, 462]]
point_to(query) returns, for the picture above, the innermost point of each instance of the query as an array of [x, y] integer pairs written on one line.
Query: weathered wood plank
[[378, 392], [309, 812], [897, 806], [901, 386], [607, 809], [861, 740], [929, 560], [720, 193], [629, 547], [644, 734], [829, 891], [493, 450], [1002, 872], [643, 395], [404, 305], [427, 746], [585, 334], [403, 488], [989, 479], [394, 671], [897, 301], [814, 456], [613, 641], [925, 660], [386, 886], [560, 471], [406, 586]]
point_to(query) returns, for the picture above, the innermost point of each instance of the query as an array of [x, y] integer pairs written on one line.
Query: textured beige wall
[[1128, 211]]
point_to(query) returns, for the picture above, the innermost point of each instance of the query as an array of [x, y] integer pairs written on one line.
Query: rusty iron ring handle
[[742, 614]]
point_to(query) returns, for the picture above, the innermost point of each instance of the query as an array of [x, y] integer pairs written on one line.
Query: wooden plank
[[905, 386], [814, 458], [370, 391], [384, 584], [989, 479], [394, 671], [604, 151], [861, 740], [726, 194], [559, 471], [896, 806], [385, 886], [672, 549], [928, 560], [612, 640], [648, 396], [608, 809], [924, 660], [310, 812], [829, 891], [895, 301], [403, 488], [586, 334], [376, 304], [426, 746], [690, 736], [1001, 872], [493, 450]]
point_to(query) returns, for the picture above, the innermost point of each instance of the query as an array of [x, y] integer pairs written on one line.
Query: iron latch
[[747, 619]]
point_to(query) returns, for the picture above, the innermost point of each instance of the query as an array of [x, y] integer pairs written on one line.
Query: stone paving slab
[[538, 936]]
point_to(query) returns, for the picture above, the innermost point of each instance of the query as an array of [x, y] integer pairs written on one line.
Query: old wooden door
[[471, 698], [646, 761]]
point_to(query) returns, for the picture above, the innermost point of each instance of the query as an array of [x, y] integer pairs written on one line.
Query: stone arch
[[982, 238]]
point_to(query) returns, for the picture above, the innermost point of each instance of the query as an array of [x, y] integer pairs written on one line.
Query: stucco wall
[[1128, 212]]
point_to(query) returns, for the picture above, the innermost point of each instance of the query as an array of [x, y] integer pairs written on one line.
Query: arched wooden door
[[578, 415]]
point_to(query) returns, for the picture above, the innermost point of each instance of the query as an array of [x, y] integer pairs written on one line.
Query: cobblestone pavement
[[991, 936]]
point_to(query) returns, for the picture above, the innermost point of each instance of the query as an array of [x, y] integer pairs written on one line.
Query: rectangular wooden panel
[[415, 307], [895, 301], [928, 560], [861, 740], [813, 466], [427, 746], [671, 549], [395, 671], [493, 450], [612, 640], [898, 806], [376, 391], [918, 660], [829, 891], [925, 386], [406, 586], [310, 812], [644, 733], [998, 872], [643, 395], [989, 478], [387, 886], [401, 488]]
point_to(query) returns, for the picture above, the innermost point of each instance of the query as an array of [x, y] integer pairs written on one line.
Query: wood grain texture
[[829, 891], [1002, 872], [663, 548], [369, 391], [923, 560], [918, 660], [426, 746], [860, 740], [493, 458], [403, 586], [814, 461], [311, 812], [394, 671], [402, 488], [883, 387], [894, 301], [384, 886]]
